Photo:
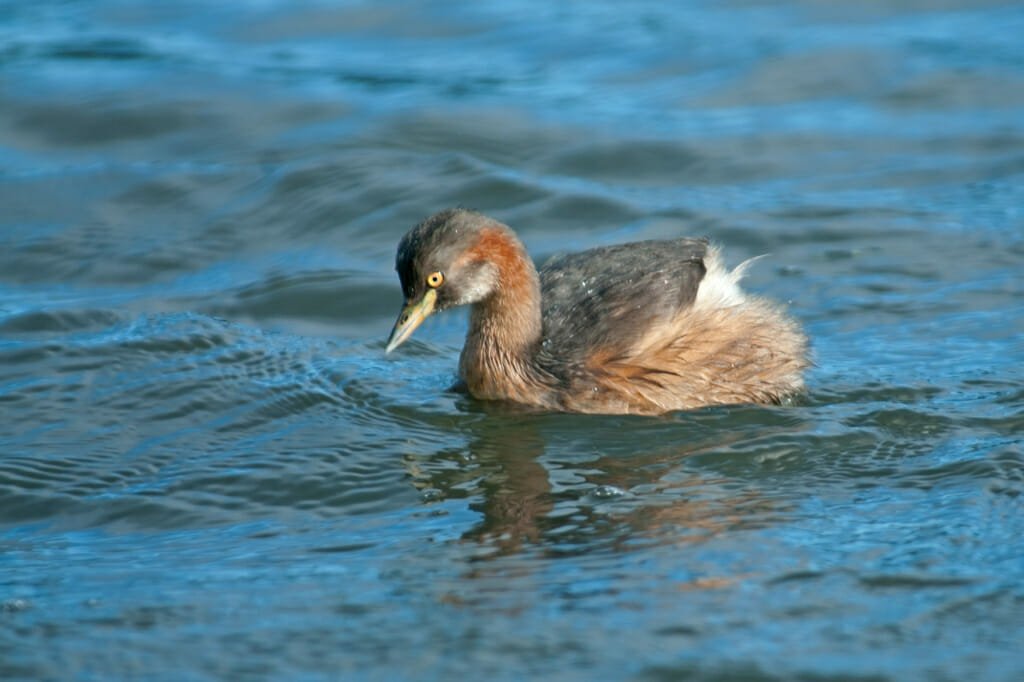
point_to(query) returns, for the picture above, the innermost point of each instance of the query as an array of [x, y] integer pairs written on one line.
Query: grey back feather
[[607, 298]]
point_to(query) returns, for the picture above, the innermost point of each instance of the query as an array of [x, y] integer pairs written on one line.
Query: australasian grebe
[[641, 328]]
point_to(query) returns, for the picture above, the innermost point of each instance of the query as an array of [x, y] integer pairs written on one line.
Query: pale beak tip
[[411, 317]]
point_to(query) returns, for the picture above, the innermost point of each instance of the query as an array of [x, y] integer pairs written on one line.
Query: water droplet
[[431, 495], [607, 492]]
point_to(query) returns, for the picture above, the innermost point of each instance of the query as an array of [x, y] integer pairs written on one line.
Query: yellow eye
[[435, 279]]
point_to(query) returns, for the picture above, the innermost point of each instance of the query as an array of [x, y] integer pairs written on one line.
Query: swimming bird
[[641, 328]]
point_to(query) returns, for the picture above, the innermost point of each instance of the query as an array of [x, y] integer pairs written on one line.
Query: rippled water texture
[[210, 470]]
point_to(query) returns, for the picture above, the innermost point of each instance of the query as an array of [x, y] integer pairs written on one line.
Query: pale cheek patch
[[476, 283]]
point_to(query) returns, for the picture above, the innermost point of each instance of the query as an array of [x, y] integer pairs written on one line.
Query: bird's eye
[[435, 279]]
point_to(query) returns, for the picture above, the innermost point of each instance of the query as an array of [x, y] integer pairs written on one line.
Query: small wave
[[58, 321], [101, 48]]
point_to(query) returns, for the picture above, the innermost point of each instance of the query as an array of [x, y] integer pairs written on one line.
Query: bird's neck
[[505, 328]]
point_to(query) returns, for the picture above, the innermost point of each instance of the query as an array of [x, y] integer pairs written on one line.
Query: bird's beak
[[412, 316]]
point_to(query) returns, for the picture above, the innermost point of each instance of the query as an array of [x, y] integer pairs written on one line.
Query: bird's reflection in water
[[615, 500]]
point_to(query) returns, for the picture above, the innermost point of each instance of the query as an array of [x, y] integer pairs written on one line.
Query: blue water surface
[[210, 470]]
